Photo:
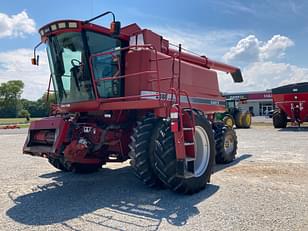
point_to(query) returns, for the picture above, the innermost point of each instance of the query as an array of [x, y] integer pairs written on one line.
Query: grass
[[22, 122], [12, 120]]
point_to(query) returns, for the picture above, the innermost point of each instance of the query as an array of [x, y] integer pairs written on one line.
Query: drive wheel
[[165, 157], [246, 120], [279, 119], [141, 151], [229, 121], [226, 144], [238, 119]]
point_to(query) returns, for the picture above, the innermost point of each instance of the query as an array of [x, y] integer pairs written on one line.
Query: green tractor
[[234, 116]]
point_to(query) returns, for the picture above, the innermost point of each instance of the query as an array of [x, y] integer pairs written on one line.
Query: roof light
[[62, 25], [46, 30], [53, 27], [72, 25]]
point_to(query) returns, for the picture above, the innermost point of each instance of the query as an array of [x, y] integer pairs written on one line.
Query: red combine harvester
[[124, 93], [291, 104]]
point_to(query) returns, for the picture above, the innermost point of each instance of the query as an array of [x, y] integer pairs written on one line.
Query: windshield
[[70, 74]]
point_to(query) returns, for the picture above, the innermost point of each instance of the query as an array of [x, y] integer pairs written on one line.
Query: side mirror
[[115, 28], [35, 60]]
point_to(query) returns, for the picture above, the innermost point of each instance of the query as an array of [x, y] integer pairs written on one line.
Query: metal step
[[188, 129], [189, 143], [188, 159]]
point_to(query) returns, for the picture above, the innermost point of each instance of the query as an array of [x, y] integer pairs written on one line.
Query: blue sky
[[267, 38]]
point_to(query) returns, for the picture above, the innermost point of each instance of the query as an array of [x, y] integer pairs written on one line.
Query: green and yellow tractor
[[234, 116]]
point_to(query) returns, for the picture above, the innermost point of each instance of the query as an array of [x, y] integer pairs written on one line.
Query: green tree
[[10, 93], [24, 114], [39, 108]]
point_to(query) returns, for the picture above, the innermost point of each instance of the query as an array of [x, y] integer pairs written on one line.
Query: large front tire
[[141, 153], [165, 157], [246, 120], [238, 119]]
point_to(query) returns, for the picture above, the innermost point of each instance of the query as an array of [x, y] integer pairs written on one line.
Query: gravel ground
[[266, 188]]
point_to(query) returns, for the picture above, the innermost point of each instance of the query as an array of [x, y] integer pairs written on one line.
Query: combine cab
[[291, 103], [126, 93]]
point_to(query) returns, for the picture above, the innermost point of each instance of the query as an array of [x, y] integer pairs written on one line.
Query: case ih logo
[[268, 95]]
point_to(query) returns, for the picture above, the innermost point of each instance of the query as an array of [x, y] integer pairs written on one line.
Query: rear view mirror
[[115, 28], [35, 60]]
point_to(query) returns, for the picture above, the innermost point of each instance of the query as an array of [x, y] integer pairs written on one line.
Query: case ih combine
[[126, 93], [291, 103]]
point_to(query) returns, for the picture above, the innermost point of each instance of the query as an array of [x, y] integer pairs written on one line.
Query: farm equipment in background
[[291, 103], [233, 116], [126, 93]]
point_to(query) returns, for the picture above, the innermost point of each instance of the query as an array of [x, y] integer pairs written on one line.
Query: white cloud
[[16, 65], [16, 25], [212, 43], [260, 76], [251, 49], [261, 64], [275, 47]]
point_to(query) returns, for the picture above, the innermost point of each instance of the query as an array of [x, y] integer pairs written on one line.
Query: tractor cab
[[80, 56]]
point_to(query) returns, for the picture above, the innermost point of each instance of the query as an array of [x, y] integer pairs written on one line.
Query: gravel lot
[[266, 188]]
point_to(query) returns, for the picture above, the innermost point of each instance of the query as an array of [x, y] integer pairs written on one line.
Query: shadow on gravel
[[109, 198], [219, 167], [294, 129]]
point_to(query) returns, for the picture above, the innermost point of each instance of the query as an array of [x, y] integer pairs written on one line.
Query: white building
[[259, 103]]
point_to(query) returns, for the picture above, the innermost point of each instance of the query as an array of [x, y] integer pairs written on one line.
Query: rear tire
[[279, 119], [246, 120], [141, 153], [226, 144], [165, 158], [238, 119]]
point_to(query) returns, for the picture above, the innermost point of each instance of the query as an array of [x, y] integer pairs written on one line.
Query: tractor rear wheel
[[226, 144], [229, 121], [165, 157], [141, 151], [238, 119], [246, 120], [279, 119]]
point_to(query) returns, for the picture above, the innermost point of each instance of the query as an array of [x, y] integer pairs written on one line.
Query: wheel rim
[[248, 119], [229, 144], [202, 147], [229, 122]]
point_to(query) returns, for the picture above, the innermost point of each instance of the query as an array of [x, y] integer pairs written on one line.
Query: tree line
[[13, 106]]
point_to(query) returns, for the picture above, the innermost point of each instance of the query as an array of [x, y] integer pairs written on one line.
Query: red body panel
[[287, 103], [56, 124]]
